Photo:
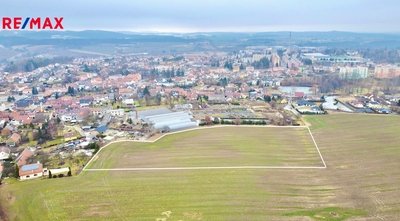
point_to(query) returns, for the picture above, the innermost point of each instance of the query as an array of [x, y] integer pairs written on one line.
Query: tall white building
[[357, 72]]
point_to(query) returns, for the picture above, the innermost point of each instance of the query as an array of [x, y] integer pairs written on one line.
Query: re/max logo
[[17, 23]]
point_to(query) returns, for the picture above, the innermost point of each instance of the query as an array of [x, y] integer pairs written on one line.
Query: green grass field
[[361, 181], [218, 146]]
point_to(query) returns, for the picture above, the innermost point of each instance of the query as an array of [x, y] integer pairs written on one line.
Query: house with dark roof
[[305, 103], [23, 103], [85, 102]]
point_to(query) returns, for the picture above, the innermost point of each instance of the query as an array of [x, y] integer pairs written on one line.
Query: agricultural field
[[361, 180], [216, 147]]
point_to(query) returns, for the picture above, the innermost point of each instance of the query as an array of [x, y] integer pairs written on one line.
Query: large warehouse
[[170, 121]]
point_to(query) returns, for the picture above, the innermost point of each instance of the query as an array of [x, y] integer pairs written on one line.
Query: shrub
[[69, 172]]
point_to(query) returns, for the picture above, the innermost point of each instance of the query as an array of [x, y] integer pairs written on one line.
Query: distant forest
[[33, 63]]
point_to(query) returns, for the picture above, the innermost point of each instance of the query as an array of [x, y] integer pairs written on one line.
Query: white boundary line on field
[[316, 146], [206, 167]]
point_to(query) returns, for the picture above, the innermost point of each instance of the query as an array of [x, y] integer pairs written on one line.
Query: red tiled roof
[[15, 137], [23, 157], [38, 168], [299, 94]]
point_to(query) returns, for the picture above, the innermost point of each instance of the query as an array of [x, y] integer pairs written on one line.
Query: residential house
[[299, 94], [15, 138], [85, 102], [4, 153], [40, 118], [70, 136], [125, 92], [7, 131], [21, 118], [23, 157], [98, 111], [31, 171], [116, 112], [128, 102], [305, 103], [307, 107], [24, 103]]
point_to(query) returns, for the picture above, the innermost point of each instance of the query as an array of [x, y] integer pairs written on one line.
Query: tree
[[228, 65], [50, 175], [40, 136], [307, 61], [129, 121], [237, 120], [208, 120], [146, 91], [86, 68], [223, 82], [180, 73], [71, 91], [263, 63], [267, 98], [158, 99], [69, 171], [10, 99], [51, 129], [35, 91], [94, 146], [16, 170]]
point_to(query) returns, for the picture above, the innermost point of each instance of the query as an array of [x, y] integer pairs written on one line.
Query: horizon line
[[205, 32]]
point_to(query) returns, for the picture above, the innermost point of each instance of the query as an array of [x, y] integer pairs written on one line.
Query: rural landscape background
[[200, 110]]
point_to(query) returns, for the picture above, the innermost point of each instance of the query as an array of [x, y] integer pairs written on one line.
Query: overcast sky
[[215, 15]]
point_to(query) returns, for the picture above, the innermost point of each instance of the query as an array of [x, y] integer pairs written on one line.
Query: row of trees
[[263, 63], [235, 121], [229, 65]]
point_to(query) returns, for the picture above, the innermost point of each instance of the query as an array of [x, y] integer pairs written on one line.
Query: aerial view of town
[[197, 123]]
